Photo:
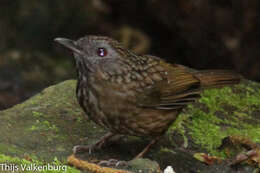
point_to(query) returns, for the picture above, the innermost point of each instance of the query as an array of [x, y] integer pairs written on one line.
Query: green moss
[[37, 114], [7, 148], [246, 100], [178, 127], [205, 132], [17, 164], [44, 126], [220, 113]]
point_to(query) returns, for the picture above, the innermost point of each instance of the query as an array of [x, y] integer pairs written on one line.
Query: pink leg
[[141, 154], [83, 148]]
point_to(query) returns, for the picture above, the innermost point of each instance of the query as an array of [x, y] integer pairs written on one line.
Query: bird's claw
[[82, 148], [112, 163]]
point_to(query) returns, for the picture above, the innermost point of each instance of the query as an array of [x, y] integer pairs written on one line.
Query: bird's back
[[144, 98]]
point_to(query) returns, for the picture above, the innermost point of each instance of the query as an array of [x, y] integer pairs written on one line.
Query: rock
[[48, 125]]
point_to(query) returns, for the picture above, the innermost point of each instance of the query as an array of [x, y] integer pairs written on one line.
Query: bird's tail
[[217, 78]]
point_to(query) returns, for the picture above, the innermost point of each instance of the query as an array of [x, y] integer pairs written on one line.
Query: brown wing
[[178, 88]]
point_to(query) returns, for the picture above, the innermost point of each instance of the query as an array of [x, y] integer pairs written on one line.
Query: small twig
[[84, 165]]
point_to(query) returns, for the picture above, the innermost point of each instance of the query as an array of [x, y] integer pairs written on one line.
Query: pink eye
[[102, 52]]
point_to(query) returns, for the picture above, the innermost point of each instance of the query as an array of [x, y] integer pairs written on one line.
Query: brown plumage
[[131, 94]]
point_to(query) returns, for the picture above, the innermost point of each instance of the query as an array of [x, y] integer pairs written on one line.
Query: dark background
[[201, 34]]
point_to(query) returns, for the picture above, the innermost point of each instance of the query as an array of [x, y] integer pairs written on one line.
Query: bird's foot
[[89, 148], [112, 163], [82, 149]]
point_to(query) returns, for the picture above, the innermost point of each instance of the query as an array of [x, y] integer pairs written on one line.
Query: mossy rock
[[229, 111], [48, 125]]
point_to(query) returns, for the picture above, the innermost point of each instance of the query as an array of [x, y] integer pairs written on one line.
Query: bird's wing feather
[[178, 88]]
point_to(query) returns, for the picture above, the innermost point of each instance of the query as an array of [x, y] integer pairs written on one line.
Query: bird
[[131, 94]]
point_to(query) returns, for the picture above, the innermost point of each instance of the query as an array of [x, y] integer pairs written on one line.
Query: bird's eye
[[102, 52]]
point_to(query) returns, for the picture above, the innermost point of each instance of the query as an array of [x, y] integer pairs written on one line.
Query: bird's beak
[[70, 44]]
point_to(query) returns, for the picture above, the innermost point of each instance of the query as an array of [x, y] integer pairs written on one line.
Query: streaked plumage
[[131, 94]]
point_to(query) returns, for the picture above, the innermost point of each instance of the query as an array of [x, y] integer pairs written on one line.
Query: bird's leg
[[84, 148], [141, 154], [116, 163]]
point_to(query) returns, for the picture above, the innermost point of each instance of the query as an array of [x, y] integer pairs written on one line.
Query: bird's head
[[91, 51]]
